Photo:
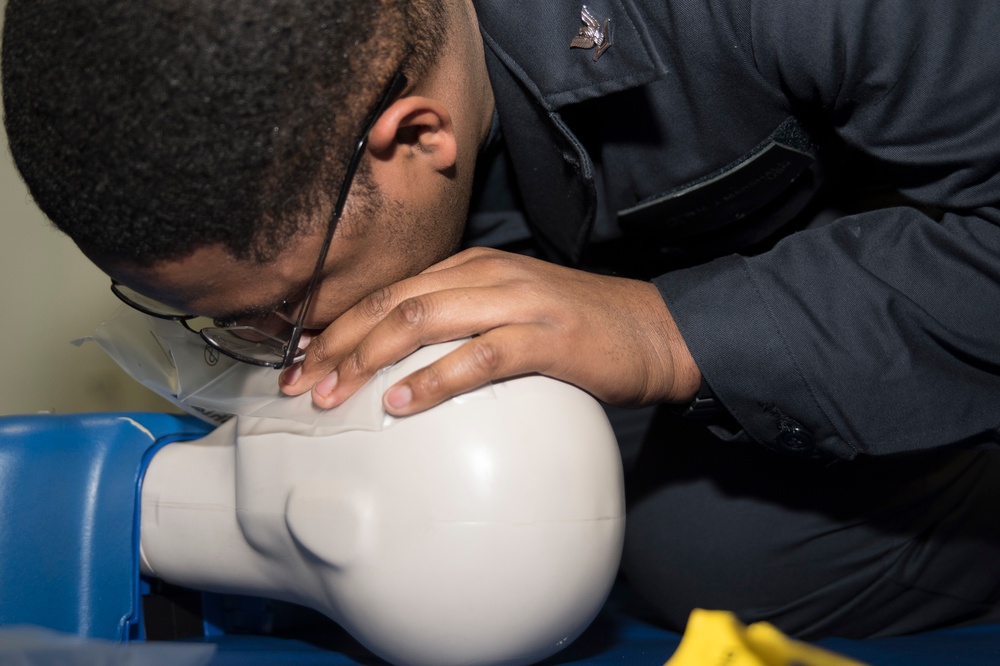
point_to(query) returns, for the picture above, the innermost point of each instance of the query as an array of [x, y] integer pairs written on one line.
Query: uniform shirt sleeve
[[878, 333]]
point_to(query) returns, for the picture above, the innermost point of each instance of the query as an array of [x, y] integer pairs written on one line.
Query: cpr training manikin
[[485, 530]]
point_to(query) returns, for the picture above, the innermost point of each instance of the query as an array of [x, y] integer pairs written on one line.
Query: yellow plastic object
[[718, 637]]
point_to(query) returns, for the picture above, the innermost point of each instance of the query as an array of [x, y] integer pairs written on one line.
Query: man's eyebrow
[[258, 311], [253, 312]]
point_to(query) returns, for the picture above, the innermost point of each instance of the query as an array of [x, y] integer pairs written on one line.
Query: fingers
[[495, 355], [328, 349], [418, 321], [409, 305]]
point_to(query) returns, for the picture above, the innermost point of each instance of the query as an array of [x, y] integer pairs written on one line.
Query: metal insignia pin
[[592, 34]]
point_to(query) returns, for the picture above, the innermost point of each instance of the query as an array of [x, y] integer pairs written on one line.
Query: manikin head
[[194, 148], [485, 530]]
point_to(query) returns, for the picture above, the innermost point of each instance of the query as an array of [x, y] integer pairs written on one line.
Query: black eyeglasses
[[250, 344]]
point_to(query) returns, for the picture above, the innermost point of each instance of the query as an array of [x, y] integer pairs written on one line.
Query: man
[[787, 217]]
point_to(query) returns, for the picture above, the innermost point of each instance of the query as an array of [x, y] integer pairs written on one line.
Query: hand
[[610, 336]]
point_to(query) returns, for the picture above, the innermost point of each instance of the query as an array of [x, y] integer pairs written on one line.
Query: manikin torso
[[486, 530]]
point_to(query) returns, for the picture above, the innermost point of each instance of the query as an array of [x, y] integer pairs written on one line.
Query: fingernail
[[327, 384], [292, 374], [398, 397]]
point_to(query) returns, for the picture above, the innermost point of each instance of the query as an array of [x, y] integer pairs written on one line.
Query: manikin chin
[[486, 530]]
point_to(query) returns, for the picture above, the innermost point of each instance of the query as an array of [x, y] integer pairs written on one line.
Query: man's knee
[[690, 546]]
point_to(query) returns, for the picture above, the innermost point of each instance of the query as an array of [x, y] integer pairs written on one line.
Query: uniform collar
[[532, 40], [534, 73]]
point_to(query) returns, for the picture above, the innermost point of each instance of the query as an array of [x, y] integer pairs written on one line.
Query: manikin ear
[[415, 128]]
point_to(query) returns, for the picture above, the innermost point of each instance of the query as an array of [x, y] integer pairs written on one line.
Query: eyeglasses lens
[[263, 343], [247, 343]]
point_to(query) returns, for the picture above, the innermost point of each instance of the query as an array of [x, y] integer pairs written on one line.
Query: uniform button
[[796, 439]]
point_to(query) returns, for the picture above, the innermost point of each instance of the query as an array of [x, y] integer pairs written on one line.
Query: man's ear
[[415, 127]]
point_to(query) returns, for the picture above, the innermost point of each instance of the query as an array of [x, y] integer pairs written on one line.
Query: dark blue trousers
[[854, 549]]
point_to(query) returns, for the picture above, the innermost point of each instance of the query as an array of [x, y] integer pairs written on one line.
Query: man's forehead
[[188, 277], [213, 282]]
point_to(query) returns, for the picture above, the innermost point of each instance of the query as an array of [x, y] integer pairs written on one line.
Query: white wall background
[[51, 295]]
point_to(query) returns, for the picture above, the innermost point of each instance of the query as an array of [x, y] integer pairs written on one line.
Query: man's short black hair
[[146, 129]]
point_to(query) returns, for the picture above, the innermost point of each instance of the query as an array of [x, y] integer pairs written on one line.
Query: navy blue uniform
[[814, 188]]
